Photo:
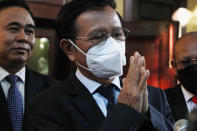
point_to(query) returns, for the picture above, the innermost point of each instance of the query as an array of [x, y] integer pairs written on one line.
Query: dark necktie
[[15, 104], [108, 91], [194, 99]]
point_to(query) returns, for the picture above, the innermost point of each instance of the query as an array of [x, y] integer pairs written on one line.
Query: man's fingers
[[134, 75], [144, 62], [130, 66], [137, 73], [145, 100], [136, 57], [133, 64], [134, 89], [123, 80], [144, 79]]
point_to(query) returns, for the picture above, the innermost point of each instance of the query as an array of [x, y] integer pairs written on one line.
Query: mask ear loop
[[83, 66], [82, 53], [76, 47]]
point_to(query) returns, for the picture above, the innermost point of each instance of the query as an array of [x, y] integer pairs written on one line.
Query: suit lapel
[[3, 102], [179, 106], [4, 119], [28, 86], [32, 84], [85, 103], [89, 109]]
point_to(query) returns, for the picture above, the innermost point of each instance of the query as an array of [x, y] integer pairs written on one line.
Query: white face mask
[[105, 60]]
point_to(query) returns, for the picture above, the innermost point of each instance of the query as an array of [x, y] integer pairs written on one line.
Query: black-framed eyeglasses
[[187, 62], [100, 37]]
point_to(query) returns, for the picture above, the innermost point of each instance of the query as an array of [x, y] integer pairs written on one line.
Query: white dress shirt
[[6, 85], [92, 87], [187, 95]]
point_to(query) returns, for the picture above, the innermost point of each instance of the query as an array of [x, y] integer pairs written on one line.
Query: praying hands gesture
[[134, 92]]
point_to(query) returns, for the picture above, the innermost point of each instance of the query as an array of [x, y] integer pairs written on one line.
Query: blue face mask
[[105, 60]]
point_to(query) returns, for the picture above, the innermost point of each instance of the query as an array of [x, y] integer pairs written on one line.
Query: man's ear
[[173, 63], [67, 48]]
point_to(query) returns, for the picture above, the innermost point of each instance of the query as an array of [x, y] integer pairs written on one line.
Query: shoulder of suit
[[172, 89], [172, 92], [152, 88], [42, 78], [36, 74]]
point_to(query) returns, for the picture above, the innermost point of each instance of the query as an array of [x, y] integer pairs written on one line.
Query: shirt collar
[[4, 73], [93, 85], [187, 95]]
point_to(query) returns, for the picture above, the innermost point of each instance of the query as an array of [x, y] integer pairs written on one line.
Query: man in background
[[182, 98], [192, 124], [93, 37], [18, 84]]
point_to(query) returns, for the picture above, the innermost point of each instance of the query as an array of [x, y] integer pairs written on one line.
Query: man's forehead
[[15, 14], [187, 42], [186, 48], [103, 12], [98, 19]]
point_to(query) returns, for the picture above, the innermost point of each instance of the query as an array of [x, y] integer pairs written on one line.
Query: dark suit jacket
[[34, 84], [72, 108], [177, 102]]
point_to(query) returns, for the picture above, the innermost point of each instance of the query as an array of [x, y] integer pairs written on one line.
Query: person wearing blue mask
[[94, 97], [182, 98]]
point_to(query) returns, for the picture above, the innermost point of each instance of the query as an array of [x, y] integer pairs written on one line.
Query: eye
[[185, 61], [118, 35], [13, 29], [98, 36], [29, 31]]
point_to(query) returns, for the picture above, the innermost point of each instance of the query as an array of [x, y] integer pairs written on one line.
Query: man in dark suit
[[17, 83], [192, 124], [92, 36], [182, 97]]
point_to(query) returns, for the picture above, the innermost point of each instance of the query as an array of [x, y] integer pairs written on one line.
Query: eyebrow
[[20, 25], [185, 58], [95, 31], [103, 30]]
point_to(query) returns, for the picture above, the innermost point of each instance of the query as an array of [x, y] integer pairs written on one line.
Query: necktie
[[194, 99], [15, 104], [108, 91]]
